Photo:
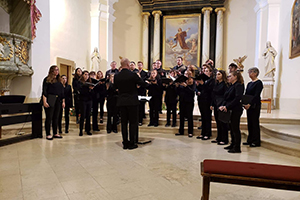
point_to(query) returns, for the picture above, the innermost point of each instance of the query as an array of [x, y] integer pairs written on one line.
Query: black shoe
[[199, 137], [167, 125], [174, 125], [254, 145], [205, 138], [115, 131], [234, 151], [200, 127], [80, 134], [140, 124], [177, 134], [246, 143], [101, 121], [108, 131], [155, 125], [89, 133], [228, 147], [214, 141], [222, 143], [57, 136], [66, 131], [190, 135], [132, 147], [49, 138], [96, 130], [150, 124]]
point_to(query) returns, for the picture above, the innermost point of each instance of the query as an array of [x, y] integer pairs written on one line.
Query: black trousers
[[129, 114], [112, 112], [171, 108], [85, 114], [101, 101], [205, 111], [253, 115], [52, 114], [186, 110], [222, 128], [154, 109], [235, 131], [95, 103], [141, 111], [67, 118], [77, 105]]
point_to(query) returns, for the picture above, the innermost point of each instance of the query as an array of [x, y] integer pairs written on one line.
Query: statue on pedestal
[[96, 59], [269, 56]]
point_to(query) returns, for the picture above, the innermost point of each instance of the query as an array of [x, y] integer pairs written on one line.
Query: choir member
[[101, 90], [154, 90], [179, 68], [68, 105], [112, 70], [53, 100], [95, 102], [186, 91], [111, 105], [171, 102], [232, 103], [217, 99], [254, 89], [133, 67], [204, 90], [75, 86], [141, 92], [85, 97]]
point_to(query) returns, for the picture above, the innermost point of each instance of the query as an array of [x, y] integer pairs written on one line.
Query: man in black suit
[[113, 69], [180, 68], [142, 92], [132, 67], [126, 82]]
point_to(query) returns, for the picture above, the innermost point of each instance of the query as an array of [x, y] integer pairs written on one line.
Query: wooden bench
[[250, 174], [269, 102]]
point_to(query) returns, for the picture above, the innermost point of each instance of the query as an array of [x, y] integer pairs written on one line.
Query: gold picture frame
[[295, 30], [181, 37]]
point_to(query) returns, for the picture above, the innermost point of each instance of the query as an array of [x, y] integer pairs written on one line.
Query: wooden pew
[[250, 174]]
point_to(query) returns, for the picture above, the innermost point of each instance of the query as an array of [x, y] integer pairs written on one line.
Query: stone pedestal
[[267, 92]]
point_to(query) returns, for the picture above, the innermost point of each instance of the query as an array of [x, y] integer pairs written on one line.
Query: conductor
[[126, 82]]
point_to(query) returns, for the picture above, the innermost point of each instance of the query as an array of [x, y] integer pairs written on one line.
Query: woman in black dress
[[75, 85], [204, 90], [68, 105], [53, 100], [232, 103], [254, 89], [85, 98], [217, 99], [186, 92]]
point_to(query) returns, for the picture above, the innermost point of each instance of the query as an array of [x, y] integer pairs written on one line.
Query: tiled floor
[[96, 167]]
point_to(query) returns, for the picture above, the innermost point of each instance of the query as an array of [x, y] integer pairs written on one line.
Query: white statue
[[96, 59], [269, 56]]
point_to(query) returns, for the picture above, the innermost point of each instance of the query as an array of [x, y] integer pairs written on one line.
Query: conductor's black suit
[[126, 82]]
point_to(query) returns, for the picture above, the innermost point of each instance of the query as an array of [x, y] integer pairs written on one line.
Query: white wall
[[289, 69], [239, 33], [70, 31], [4, 21]]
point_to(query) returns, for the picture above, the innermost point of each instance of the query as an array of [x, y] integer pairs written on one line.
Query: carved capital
[[145, 14], [156, 12], [220, 9], [206, 9]]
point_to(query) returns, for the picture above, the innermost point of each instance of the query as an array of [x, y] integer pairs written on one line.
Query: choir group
[[216, 91]]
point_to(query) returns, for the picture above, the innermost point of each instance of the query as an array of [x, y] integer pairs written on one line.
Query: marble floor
[[96, 167]]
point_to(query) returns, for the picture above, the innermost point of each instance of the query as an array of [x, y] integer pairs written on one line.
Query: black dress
[[217, 99], [254, 89], [232, 101]]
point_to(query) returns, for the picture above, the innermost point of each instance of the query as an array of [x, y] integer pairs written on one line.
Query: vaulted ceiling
[[172, 5]]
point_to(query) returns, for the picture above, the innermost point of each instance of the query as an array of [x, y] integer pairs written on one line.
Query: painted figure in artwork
[[96, 59], [269, 56], [180, 38]]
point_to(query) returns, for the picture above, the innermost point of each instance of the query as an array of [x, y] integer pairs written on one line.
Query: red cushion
[[254, 170]]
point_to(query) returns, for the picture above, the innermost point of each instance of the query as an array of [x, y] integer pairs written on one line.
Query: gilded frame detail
[[295, 30]]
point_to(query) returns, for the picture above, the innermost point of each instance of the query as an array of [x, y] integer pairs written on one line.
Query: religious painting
[[295, 30], [181, 37]]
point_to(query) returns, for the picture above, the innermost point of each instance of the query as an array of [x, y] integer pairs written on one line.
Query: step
[[285, 132]]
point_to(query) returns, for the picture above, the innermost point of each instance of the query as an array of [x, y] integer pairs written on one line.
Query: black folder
[[166, 80], [203, 77], [181, 79], [224, 116], [247, 99]]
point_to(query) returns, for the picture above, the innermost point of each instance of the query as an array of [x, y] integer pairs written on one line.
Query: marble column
[[206, 33], [219, 39], [145, 47], [156, 40]]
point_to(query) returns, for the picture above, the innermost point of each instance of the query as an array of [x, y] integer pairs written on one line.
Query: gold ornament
[[4, 43], [22, 51]]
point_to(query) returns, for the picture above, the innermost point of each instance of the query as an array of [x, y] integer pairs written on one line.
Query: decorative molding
[[157, 12], [206, 9], [146, 14], [220, 9]]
